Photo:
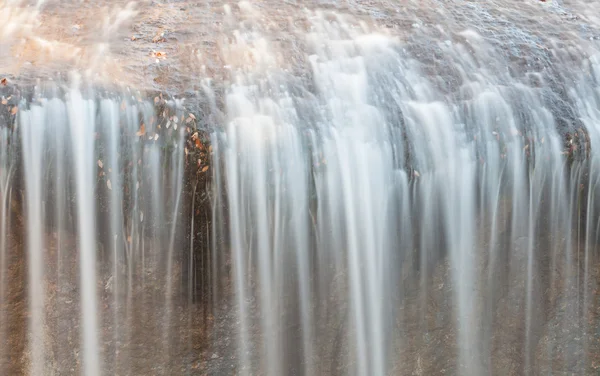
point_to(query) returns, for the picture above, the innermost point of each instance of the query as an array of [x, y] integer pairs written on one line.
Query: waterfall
[[92, 166], [375, 189], [399, 205]]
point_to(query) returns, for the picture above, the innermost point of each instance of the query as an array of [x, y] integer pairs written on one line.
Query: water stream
[[378, 190]]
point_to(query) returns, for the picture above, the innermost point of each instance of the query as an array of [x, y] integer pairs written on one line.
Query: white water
[[408, 199], [374, 213], [93, 264]]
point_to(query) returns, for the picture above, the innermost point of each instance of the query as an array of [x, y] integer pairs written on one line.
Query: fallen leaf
[[159, 54], [133, 38], [156, 99], [100, 164], [192, 116], [14, 110], [4, 101], [142, 130], [205, 168], [210, 149], [109, 185], [4, 81]]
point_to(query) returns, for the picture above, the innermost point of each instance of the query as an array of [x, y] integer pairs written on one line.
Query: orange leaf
[[142, 130], [205, 168], [4, 81]]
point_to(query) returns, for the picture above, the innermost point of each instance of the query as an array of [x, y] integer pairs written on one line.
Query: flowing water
[[391, 188]]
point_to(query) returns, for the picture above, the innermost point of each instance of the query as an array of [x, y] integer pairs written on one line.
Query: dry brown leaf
[[133, 38], [192, 116], [205, 168], [4, 101], [159, 54], [4, 81], [14, 110], [142, 130], [100, 164]]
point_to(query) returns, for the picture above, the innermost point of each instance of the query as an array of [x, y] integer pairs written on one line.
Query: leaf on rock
[[142, 130], [205, 168]]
